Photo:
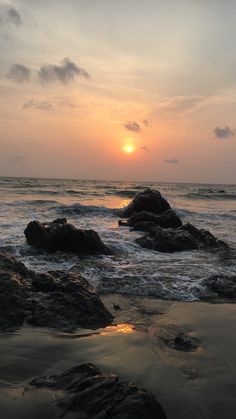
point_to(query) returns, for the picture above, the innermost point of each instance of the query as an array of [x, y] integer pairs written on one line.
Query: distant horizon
[[115, 180]]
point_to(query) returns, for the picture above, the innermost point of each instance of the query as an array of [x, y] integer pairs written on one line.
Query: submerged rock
[[145, 220], [182, 342], [223, 285], [187, 237], [148, 200], [85, 392], [59, 235], [58, 300]]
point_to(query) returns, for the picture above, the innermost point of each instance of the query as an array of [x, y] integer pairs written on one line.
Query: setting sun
[[128, 148]]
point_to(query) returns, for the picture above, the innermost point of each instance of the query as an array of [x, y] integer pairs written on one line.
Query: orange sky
[[155, 75]]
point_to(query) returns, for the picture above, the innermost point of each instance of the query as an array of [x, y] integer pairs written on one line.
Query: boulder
[[186, 237], [223, 285], [85, 392], [148, 200], [204, 238], [168, 240], [167, 219], [182, 342], [58, 300], [65, 301], [59, 235]]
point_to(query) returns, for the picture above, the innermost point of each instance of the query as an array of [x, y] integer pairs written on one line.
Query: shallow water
[[95, 204], [198, 384]]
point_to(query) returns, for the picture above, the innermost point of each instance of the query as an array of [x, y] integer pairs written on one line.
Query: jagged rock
[[148, 200], [168, 240], [66, 301], [13, 295], [59, 235], [85, 392], [204, 238], [58, 300], [186, 237], [145, 220], [222, 285]]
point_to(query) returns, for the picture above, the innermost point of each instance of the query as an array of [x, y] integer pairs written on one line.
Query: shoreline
[[199, 383]]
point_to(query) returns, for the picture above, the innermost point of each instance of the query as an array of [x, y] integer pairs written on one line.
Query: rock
[[13, 294], [222, 285], [66, 301], [58, 300], [204, 238], [85, 392], [166, 219], [184, 342], [116, 307], [59, 235], [186, 237], [168, 240], [148, 200]]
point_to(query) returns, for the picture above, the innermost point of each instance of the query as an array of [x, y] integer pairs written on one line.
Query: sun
[[128, 148]]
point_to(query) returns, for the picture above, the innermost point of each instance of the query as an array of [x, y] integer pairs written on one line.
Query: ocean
[[93, 204]]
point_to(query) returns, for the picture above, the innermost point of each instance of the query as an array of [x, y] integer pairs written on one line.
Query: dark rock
[[58, 235], [85, 392], [222, 285], [204, 238], [148, 200], [185, 342], [57, 300], [66, 301], [13, 294], [116, 307], [186, 237], [168, 240], [167, 219]]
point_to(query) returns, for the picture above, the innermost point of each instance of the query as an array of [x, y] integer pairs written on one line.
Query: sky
[[128, 89]]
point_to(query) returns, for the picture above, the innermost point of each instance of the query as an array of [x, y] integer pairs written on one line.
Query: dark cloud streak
[[19, 73], [224, 133], [133, 126], [14, 17], [64, 73]]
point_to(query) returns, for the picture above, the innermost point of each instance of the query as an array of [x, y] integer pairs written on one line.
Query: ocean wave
[[86, 209], [211, 195], [126, 193], [32, 202]]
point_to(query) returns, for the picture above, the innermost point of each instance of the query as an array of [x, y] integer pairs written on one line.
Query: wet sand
[[198, 384]]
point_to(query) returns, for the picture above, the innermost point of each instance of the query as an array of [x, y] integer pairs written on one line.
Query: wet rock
[[85, 392], [13, 295], [204, 238], [116, 307], [61, 236], [168, 240], [58, 300], [145, 220], [223, 285], [66, 301], [148, 200], [186, 237]]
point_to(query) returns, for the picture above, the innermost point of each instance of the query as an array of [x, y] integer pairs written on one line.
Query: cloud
[[145, 123], [44, 105], [64, 73], [14, 17], [144, 148], [133, 126], [19, 73], [225, 132], [171, 161]]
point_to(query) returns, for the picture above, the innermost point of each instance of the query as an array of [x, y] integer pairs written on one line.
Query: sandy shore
[[197, 384]]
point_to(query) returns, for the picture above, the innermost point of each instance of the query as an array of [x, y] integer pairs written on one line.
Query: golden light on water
[[120, 328]]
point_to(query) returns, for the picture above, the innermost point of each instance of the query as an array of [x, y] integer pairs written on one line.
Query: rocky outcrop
[[85, 392], [145, 220], [58, 300], [184, 238], [222, 285], [148, 200], [66, 301], [182, 342], [60, 235]]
